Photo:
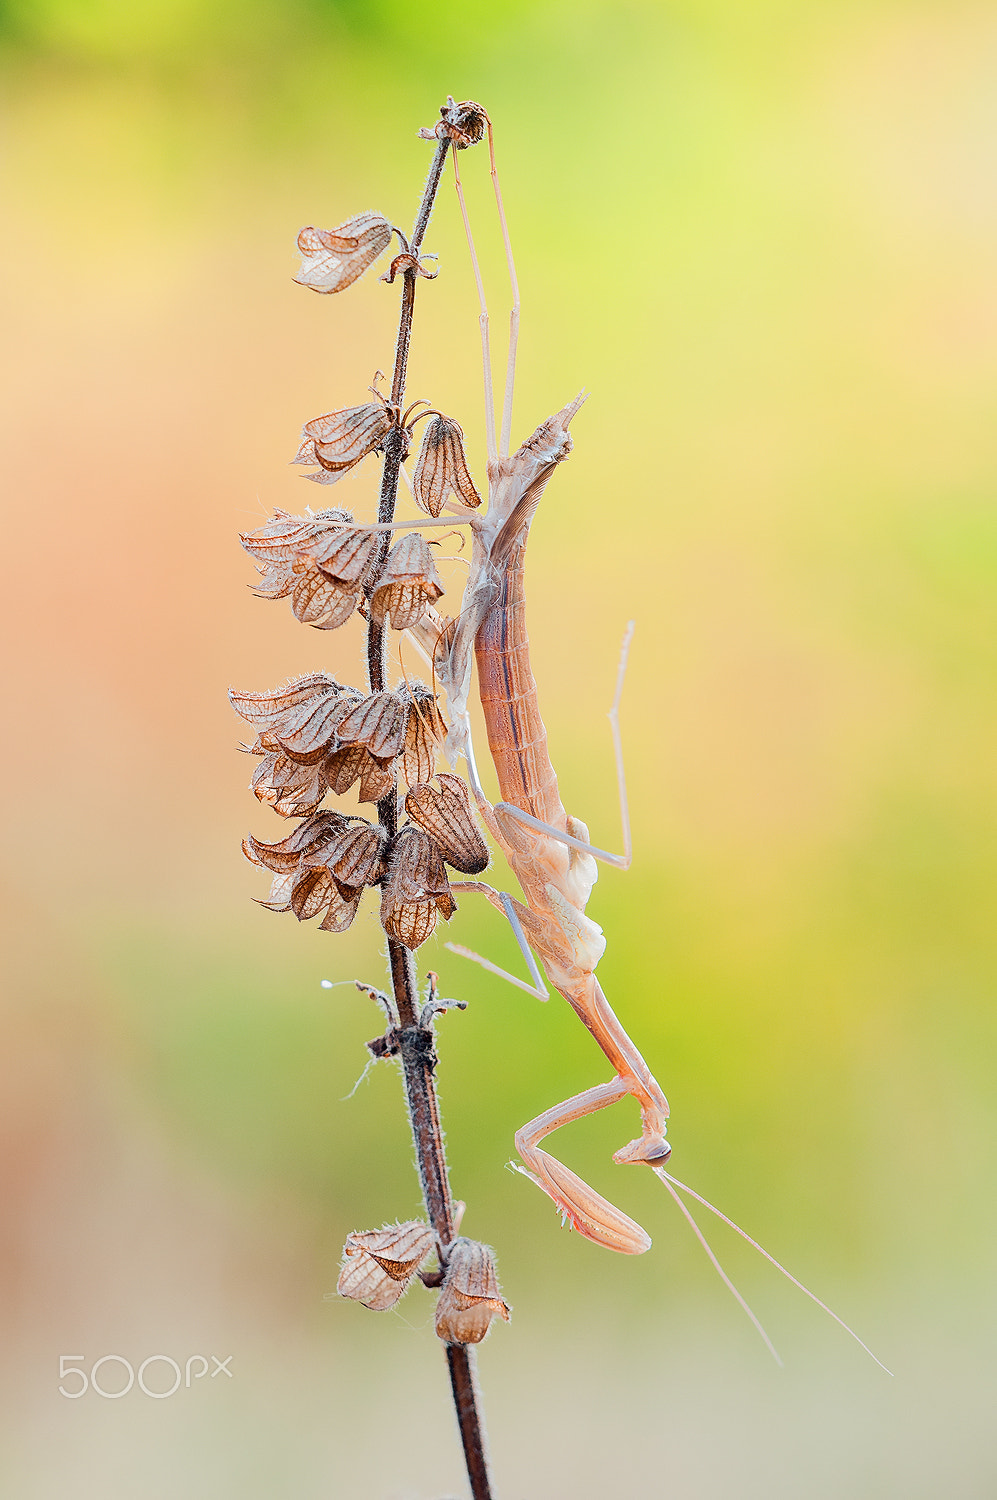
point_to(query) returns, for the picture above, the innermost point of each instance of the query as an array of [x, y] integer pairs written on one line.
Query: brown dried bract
[[447, 815], [408, 583], [288, 548], [266, 710], [380, 1264], [332, 259], [347, 555], [416, 889], [285, 856], [441, 468], [378, 722], [299, 720], [339, 440], [352, 854], [290, 788], [425, 730], [353, 763], [471, 1296]]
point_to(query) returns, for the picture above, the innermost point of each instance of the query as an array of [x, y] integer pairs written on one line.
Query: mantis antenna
[[483, 318]]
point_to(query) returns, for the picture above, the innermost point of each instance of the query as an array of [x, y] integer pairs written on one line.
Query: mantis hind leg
[[579, 1205]]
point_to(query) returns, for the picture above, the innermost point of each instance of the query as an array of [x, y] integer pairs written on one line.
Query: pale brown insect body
[[546, 848]]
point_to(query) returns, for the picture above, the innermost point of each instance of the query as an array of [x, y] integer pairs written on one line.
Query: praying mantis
[[548, 850]]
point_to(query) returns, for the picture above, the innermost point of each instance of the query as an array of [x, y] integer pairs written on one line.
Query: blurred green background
[[763, 237]]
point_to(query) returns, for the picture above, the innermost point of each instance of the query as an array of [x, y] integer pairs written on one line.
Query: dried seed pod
[[347, 555], [332, 259], [355, 762], [441, 468], [267, 710], [425, 730], [471, 1296], [339, 440], [379, 1264], [378, 722], [353, 854], [416, 889], [312, 834], [308, 730], [287, 548], [286, 536], [408, 583], [290, 788], [313, 891], [448, 816]]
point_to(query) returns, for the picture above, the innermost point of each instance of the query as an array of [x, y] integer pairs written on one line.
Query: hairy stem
[[415, 1042]]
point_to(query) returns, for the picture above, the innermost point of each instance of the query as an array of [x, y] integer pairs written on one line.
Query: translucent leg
[[578, 1204], [510, 372], [482, 320], [537, 988]]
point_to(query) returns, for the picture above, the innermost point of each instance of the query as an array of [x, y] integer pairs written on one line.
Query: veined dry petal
[[416, 889], [447, 815], [308, 732], [379, 1264], [318, 602], [311, 834], [346, 555], [339, 440], [264, 710], [332, 259], [276, 582], [340, 914], [353, 853], [281, 539], [471, 1296], [353, 763], [377, 778], [425, 730], [441, 468], [279, 898], [290, 788], [408, 583], [379, 722]]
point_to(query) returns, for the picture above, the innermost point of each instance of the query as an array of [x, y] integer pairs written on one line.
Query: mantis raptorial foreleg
[[580, 1205]]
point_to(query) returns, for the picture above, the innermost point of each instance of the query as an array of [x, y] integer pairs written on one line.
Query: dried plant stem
[[415, 1042]]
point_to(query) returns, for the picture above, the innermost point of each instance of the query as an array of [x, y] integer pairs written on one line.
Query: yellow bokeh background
[[763, 237]]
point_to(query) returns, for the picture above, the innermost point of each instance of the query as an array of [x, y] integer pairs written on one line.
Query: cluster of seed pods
[[316, 737]]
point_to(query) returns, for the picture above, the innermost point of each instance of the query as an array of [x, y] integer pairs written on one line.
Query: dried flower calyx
[[446, 814], [408, 583], [471, 1296], [299, 720], [322, 561], [315, 736], [441, 468], [416, 890], [340, 440], [332, 259], [323, 865], [380, 1264]]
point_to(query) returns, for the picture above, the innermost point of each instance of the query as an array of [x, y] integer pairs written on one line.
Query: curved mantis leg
[[537, 988], [578, 1204]]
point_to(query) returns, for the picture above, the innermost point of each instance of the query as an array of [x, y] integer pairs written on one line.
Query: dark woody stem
[[416, 1043]]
